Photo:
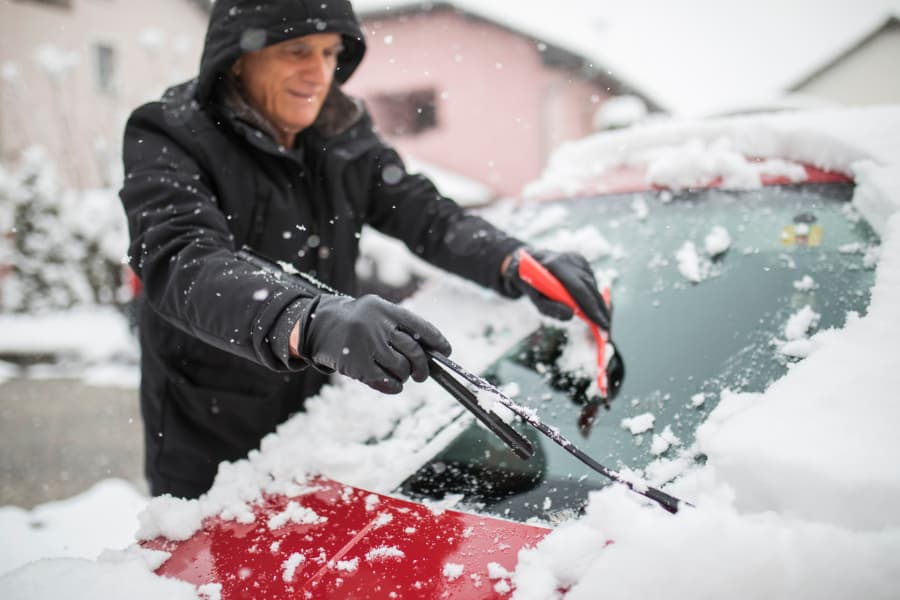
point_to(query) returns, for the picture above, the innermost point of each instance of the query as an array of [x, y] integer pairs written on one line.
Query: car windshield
[[795, 252]]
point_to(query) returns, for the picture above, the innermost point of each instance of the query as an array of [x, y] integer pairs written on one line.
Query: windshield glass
[[768, 267]]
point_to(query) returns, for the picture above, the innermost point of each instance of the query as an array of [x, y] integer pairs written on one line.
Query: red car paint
[[251, 561]]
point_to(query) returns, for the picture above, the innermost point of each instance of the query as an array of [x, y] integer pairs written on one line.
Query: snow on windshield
[[796, 498]]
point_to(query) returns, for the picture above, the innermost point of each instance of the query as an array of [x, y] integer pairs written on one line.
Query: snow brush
[[537, 276], [440, 367]]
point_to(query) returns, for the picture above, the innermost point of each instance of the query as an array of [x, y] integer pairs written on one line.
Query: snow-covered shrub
[[59, 247]]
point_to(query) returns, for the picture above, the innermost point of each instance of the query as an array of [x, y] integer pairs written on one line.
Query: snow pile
[[713, 551], [93, 335], [81, 579], [697, 163], [106, 516]]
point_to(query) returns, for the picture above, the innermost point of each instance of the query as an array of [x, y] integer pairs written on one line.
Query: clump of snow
[[210, 591], [717, 241], [579, 354], [698, 399], [805, 284], [372, 500], [452, 570], [289, 566], [383, 519], [384, 553], [173, 518], [295, 512], [690, 264], [800, 323], [639, 424], [497, 571], [347, 565], [663, 441]]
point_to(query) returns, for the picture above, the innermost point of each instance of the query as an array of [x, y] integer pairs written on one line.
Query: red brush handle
[[537, 276]]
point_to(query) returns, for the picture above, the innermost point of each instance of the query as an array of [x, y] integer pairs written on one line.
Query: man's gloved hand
[[372, 340], [574, 272]]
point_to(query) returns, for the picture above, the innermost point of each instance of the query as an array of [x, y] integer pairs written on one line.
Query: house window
[[406, 113], [105, 62]]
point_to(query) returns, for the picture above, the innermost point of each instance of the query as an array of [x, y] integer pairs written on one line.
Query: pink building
[[471, 95]]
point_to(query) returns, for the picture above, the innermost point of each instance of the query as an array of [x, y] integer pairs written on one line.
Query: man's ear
[[237, 67]]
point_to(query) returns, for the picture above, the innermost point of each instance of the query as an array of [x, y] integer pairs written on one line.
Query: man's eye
[[298, 51]]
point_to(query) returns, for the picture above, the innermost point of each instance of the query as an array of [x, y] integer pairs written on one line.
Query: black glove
[[574, 272], [370, 339]]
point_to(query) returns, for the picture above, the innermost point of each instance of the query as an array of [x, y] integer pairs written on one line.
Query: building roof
[[890, 22], [528, 19], [693, 57]]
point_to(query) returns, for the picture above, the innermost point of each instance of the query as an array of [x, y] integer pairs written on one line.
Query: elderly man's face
[[288, 82]]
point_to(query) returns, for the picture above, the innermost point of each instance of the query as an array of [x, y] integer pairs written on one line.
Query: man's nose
[[320, 69]]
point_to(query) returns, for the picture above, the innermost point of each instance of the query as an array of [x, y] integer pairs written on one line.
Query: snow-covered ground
[[797, 498]]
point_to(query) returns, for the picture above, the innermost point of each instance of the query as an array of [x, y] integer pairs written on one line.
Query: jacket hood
[[240, 26]]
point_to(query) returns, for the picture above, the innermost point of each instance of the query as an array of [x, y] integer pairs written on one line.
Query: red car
[[337, 541]]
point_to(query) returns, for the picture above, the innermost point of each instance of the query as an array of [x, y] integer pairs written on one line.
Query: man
[[264, 149]]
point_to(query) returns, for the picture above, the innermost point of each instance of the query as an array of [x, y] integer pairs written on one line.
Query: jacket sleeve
[[435, 228], [184, 253]]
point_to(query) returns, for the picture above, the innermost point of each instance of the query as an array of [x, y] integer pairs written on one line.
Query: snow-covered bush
[[59, 247]]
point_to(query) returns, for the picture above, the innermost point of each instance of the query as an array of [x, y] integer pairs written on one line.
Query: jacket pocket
[[203, 426]]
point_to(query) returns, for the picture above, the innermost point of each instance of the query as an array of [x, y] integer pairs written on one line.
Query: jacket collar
[[339, 112]]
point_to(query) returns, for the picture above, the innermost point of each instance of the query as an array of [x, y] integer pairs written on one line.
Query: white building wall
[[49, 86], [869, 75]]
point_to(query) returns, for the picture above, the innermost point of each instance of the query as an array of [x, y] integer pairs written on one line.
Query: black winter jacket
[[202, 180]]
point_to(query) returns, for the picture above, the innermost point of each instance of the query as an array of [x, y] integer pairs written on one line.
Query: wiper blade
[[667, 501]]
